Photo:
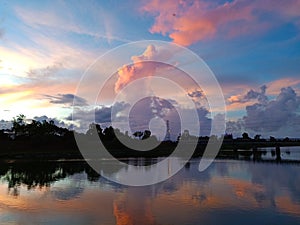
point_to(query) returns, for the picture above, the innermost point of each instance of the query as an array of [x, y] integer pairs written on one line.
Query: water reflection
[[40, 174], [228, 192]]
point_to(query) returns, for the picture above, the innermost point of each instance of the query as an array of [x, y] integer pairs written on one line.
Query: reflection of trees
[[41, 174]]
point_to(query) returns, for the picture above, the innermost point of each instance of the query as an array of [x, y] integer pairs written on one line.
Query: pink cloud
[[274, 87], [187, 22], [138, 68]]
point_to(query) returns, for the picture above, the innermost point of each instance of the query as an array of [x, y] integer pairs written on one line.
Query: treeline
[[39, 139], [43, 130]]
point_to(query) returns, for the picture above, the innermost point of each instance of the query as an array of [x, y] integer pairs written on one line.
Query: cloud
[[196, 94], [28, 95], [138, 69], [67, 99], [278, 117], [56, 121], [29, 88], [250, 95], [140, 116], [100, 114], [2, 32], [274, 87], [154, 107], [187, 22], [65, 20], [69, 191], [4, 124], [199, 98], [205, 122], [148, 108], [47, 71], [236, 128], [275, 114]]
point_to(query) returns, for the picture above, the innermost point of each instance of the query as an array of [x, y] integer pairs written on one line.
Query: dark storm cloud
[[141, 114], [67, 99], [154, 107], [275, 114], [196, 94], [101, 114], [161, 107], [252, 95], [235, 128], [279, 117]]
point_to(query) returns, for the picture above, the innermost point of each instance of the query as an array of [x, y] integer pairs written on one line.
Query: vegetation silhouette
[[45, 140]]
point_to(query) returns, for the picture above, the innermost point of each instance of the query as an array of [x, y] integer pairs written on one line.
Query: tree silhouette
[[109, 133], [272, 139], [138, 134], [19, 125], [257, 137], [228, 137], [146, 134], [245, 136]]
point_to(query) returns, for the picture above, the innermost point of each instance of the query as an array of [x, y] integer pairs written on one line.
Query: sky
[[252, 48]]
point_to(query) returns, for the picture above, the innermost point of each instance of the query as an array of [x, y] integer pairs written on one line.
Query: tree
[[109, 133], [99, 130], [138, 134], [34, 128], [228, 137], [245, 136], [179, 137], [147, 134], [257, 137], [286, 139], [19, 125], [272, 139]]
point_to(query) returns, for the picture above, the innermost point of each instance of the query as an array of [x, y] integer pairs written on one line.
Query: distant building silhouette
[[168, 134]]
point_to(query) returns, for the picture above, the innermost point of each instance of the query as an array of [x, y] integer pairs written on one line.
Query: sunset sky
[[252, 47]]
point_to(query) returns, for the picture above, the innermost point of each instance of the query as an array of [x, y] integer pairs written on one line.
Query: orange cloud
[[238, 100], [187, 22], [138, 69], [188, 32], [274, 87], [12, 62]]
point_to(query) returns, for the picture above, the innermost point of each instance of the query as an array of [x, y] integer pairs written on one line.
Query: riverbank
[[60, 149]]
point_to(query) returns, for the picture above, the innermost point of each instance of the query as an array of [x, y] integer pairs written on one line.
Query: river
[[228, 192]]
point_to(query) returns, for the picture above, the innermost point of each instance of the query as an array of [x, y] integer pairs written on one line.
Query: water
[[228, 192], [287, 153]]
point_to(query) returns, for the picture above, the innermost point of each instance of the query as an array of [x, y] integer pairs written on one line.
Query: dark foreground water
[[228, 192]]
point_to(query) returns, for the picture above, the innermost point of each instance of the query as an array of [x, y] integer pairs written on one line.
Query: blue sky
[[45, 47]]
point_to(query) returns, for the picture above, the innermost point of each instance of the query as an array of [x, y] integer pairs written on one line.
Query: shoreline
[[71, 155], [56, 149]]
